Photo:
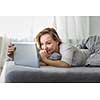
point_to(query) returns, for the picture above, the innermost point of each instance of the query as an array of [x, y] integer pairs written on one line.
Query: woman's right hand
[[11, 48], [43, 54]]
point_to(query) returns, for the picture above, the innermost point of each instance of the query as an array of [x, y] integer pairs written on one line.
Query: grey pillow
[[93, 60], [55, 56]]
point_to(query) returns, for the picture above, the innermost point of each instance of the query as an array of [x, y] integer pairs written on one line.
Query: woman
[[49, 44]]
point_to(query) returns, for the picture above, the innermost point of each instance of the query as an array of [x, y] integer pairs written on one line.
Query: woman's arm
[[42, 63], [57, 63]]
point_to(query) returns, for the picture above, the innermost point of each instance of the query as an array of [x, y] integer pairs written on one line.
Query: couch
[[90, 72], [21, 74]]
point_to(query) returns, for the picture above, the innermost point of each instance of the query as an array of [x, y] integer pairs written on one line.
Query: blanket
[[92, 43]]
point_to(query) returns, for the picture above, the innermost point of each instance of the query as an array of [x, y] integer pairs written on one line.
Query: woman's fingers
[[43, 54], [11, 49]]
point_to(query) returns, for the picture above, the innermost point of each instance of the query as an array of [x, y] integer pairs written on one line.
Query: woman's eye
[[48, 43]]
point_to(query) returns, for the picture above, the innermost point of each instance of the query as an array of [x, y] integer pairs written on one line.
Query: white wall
[[94, 25]]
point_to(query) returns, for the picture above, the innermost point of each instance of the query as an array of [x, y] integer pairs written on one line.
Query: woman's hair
[[50, 31]]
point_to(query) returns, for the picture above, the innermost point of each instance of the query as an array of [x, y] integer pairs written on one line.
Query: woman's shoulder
[[66, 45]]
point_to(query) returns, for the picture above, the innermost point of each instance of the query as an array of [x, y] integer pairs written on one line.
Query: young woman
[[49, 43]]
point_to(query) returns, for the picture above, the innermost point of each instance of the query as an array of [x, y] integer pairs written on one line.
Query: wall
[[94, 25]]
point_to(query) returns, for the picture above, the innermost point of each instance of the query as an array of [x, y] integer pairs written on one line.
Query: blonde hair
[[50, 31]]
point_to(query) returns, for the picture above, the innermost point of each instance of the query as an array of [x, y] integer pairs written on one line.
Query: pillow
[[93, 60], [80, 56], [55, 56]]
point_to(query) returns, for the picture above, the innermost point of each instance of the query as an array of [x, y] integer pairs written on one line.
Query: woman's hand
[[42, 63], [46, 61], [11, 48], [44, 55]]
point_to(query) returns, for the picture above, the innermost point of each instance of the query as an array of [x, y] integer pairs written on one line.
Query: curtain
[[73, 28], [41, 22], [25, 28], [18, 28]]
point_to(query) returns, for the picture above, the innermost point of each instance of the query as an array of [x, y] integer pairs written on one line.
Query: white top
[[66, 51], [73, 55]]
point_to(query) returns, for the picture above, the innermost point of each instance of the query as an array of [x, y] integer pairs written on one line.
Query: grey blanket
[[92, 43]]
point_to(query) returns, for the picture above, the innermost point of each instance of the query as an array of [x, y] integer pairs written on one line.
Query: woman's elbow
[[66, 65]]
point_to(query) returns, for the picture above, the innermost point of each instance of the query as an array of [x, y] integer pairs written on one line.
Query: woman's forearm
[[42, 63], [57, 63]]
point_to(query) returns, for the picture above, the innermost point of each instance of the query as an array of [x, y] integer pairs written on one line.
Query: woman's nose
[[45, 47]]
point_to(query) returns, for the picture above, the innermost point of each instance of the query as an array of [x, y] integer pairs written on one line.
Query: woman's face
[[48, 43]]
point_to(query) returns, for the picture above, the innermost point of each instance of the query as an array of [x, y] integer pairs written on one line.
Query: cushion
[[55, 56], [93, 60]]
